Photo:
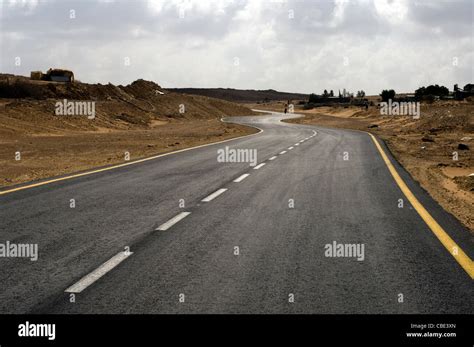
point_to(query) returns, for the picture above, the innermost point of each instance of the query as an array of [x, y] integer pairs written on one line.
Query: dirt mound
[[143, 89], [19, 87], [28, 106], [437, 118], [140, 118]]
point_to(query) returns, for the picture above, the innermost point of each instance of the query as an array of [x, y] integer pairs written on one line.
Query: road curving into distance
[[316, 226]]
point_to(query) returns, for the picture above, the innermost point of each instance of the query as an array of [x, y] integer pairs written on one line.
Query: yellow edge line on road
[[456, 251], [119, 165]]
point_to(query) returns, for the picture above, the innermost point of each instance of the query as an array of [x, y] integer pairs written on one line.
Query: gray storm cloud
[[300, 46]]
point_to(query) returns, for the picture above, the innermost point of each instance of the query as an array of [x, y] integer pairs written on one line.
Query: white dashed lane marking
[[87, 280], [214, 195], [173, 221], [95, 275], [241, 178]]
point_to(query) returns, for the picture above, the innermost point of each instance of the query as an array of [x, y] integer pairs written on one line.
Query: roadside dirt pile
[[141, 119], [19, 87], [29, 106]]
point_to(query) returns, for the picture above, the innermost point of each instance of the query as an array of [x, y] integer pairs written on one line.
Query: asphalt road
[[280, 217]]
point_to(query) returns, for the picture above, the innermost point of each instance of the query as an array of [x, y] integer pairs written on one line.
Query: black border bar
[[147, 330]]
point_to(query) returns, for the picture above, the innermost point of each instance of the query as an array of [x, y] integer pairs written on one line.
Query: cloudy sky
[[299, 46]]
